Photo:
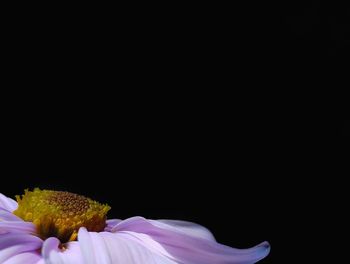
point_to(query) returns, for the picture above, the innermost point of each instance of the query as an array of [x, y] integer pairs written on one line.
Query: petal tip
[[265, 248]]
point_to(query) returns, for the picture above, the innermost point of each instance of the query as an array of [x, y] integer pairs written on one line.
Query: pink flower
[[131, 241]]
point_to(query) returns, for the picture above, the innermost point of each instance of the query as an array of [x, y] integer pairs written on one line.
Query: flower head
[[61, 214], [61, 227]]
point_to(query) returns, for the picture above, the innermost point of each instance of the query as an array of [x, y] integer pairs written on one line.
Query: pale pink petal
[[72, 255], [134, 248], [149, 243], [192, 249], [13, 239], [12, 244], [108, 248], [188, 228], [9, 252], [24, 258], [51, 244], [8, 216], [8, 203], [54, 255], [17, 227], [111, 223], [86, 246], [95, 244]]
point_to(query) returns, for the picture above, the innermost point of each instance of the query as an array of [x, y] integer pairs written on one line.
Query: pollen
[[61, 214]]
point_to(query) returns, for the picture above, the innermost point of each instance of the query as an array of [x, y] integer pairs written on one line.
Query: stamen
[[61, 214]]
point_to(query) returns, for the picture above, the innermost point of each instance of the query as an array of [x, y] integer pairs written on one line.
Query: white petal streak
[[86, 246], [133, 248], [99, 245], [123, 248]]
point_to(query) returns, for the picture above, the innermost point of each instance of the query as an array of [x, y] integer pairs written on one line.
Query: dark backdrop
[[248, 178], [197, 113], [206, 166]]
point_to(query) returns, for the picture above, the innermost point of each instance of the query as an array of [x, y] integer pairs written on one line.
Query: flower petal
[[189, 228], [8, 203], [14, 244], [8, 216], [190, 249], [17, 227], [13, 239], [111, 223], [50, 244], [149, 243], [86, 246], [53, 255], [26, 257], [109, 248], [93, 247], [15, 250]]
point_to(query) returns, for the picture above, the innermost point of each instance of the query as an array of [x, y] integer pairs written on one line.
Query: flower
[[59, 227]]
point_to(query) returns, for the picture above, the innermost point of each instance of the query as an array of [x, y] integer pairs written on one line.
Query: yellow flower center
[[61, 214]]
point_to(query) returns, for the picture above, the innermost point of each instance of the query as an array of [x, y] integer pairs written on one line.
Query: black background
[[208, 114]]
